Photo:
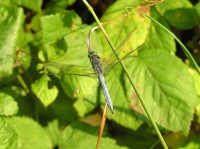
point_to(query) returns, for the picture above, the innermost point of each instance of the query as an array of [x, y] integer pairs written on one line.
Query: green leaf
[[159, 38], [44, 90], [171, 5], [8, 136], [31, 135], [121, 24], [8, 106], [83, 89], [20, 97], [54, 132], [80, 135], [180, 14], [33, 5], [182, 18], [61, 24], [11, 21], [64, 41], [196, 78], [166, 86]]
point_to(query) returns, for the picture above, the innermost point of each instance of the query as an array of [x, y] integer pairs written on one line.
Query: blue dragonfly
[[98, 69]]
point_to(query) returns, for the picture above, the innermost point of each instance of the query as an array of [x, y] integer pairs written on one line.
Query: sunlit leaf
[[121, 23], [8, 136], [167, 88], [11, 21], [80, 135], [20, 97], [45, 91], [54, 132], [31, 134], [34, 5], [157, 37], [8, 106]]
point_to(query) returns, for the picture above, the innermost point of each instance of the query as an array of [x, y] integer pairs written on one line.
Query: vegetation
[[64, 111]]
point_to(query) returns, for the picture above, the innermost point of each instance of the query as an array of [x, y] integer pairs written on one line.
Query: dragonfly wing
[[112, 65], [54, 68], [110, 59]]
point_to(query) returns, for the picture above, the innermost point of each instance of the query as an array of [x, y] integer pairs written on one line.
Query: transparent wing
[[113, 64], [65, 69], [112, 59]]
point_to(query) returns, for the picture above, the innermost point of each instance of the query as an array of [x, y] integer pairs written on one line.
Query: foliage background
[[41, 111]]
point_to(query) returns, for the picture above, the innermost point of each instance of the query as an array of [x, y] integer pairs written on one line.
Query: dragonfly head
[[93, 54]]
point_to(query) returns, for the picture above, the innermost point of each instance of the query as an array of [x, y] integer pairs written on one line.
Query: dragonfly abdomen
[[105, 92]]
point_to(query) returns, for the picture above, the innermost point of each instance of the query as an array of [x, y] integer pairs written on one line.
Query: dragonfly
[[97, 67]]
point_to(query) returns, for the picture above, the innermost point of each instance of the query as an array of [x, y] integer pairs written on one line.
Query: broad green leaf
[[44, 90], [20, 97], [83, 89], [80, 135], [11, 21], [31, 134], [122, 113], [9, 138], [61, 24], [120, 25], [157, 37], [33, 5], [65, 40], [196, 78], [180, 14], [54, 132], [8, 106], [182, 18], [166, 87], [172, 4]]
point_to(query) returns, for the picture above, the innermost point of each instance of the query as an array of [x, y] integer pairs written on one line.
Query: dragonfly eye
[[93, 54]]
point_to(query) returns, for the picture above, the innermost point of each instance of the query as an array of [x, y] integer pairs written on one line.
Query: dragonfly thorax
[[95, 61]]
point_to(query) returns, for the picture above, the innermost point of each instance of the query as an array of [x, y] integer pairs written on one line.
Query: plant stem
[[127, 73], [22, 82]]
